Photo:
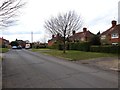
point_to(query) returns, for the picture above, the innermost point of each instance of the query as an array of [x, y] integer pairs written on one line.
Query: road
[[26, 69]]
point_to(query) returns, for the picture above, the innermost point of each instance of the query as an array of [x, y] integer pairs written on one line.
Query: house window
[[115, 35], [103, 37]]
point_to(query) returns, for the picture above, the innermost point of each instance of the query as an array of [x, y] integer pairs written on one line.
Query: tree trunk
[[64, 46], [64, 49]]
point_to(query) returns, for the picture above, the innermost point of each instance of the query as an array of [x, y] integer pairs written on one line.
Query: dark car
[[19, 47]]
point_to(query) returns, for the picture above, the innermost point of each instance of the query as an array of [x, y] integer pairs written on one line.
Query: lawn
[[3, 50], [73, 55]]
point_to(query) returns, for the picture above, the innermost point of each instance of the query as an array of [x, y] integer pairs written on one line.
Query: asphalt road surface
[[26, 69]]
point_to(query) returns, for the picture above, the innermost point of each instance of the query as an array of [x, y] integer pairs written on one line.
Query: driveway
[[26, 69]]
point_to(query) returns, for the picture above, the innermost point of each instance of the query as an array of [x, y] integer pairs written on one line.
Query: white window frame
[[103, 37], [114, 35]]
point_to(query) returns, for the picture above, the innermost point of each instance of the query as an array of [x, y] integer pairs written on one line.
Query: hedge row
[[85, 46], [38, 46], [105, 49]]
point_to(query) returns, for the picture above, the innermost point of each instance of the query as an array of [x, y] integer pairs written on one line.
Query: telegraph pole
[[119, 12], [31, 37]]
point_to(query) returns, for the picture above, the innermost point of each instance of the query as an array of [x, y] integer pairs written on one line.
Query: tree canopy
[[64, 24], [14, 43], [8, 10]]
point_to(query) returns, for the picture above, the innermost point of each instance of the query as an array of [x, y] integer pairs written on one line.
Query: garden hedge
[[82, 46], [106, 49]]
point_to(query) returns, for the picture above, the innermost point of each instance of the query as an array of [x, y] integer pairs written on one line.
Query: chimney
[[73, 32], [84, 29], [114, 23], [53, 36], [58, 35]]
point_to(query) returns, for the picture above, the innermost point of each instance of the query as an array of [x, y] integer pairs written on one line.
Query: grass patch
[[41, 50], [73, 55], [3, 50]]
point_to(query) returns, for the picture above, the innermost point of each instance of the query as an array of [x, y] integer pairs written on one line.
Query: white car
[[27, 46], [14, 47]]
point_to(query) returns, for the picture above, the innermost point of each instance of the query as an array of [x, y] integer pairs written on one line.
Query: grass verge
[[73, 55], [3, 50]]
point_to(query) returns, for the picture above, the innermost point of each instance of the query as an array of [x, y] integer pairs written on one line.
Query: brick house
[[21, 43], [54, 39], [111, 35], [81, 36], [4, 42], [75, 37]]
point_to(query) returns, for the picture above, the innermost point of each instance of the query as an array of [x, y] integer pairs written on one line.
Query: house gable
[[112, 35]]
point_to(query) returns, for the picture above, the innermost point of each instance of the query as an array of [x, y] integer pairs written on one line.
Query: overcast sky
[[97, 16]]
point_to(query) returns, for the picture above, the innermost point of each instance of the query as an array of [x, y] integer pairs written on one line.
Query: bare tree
[[64, 24], [8, 10]]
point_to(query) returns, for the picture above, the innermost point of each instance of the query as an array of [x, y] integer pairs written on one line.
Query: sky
[[96, 14]]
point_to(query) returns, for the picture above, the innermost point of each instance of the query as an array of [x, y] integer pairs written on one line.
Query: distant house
[[81, 36], [111, 35], [21, 43], [4, 42], [75, 37], [54, 39]]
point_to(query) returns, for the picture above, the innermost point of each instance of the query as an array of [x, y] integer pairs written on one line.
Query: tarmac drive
[[26, 69]]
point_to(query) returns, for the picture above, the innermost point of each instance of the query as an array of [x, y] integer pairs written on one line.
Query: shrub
[[82, 46], [95, 40], [105, 49], [56, 46]]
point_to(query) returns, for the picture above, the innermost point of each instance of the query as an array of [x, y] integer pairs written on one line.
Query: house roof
[[116, 29], [4, 39], [112, 30], [82, 34], [57, 37]]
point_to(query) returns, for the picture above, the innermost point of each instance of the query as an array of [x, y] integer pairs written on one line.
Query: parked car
[[14, 47], [27, 46], [19, 47]]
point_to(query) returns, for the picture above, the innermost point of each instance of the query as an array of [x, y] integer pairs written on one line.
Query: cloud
[[36, 37], [20, 33], [97, 15]]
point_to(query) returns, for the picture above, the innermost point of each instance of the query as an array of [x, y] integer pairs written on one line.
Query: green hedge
[[105, 49], [82, 46], [86, 46], [38, 46], [56, 46]]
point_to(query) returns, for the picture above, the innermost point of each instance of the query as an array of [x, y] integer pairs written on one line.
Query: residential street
[[26, 69]]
